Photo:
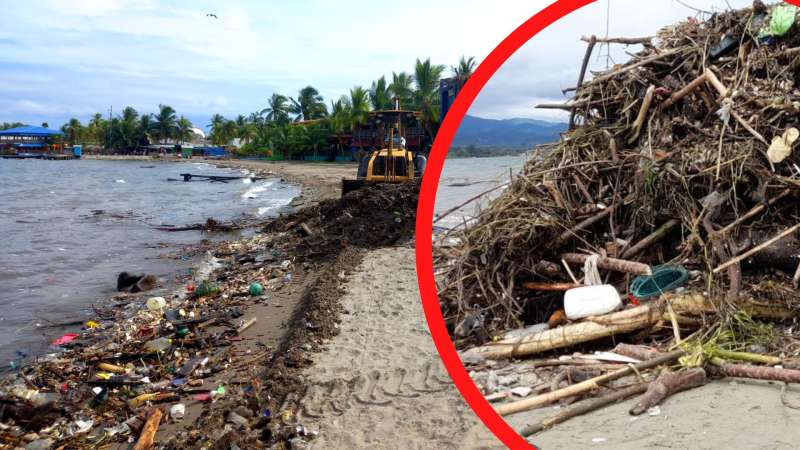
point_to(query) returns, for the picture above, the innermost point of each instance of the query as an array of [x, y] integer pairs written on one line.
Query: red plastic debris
[[65, 339]]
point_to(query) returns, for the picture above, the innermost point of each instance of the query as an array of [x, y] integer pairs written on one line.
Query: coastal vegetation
[[286, 125]]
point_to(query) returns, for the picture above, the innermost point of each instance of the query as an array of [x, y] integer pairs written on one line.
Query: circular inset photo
[[607, 233]]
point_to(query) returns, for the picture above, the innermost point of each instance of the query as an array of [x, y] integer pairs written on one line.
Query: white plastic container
[[590, 301]]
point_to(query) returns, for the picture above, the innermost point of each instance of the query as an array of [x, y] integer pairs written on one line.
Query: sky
[[72, 59]]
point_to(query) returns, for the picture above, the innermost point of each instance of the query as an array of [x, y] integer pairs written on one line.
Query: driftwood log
[[584, 407], [668, 383], [585, 386], [148, 435]]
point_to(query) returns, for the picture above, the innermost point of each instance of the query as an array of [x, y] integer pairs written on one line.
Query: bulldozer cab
[[394, 163]]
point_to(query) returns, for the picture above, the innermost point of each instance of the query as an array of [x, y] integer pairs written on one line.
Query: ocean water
[[69, 227], [464, 178]]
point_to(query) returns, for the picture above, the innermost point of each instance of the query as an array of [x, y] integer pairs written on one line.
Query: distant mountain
[[519, 134]]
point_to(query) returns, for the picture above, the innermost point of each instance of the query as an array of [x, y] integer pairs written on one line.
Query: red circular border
[[430, 182]]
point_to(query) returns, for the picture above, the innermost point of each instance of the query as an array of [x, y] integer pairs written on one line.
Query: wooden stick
[[621, 40], [755, 249], [612, 147], [636, 65], [467, 202], [555, 193], [668, 383], [589, 48], [583, 408], [147, 438], [640, 352], [686, 90], [617, 265], [588, 330], [549, 287], [586, 223], [640, 118], [755, 210], [796, 277], [711, 77], [582, 188], [651, 239], [585, 386], [755, 372], [723, 91]]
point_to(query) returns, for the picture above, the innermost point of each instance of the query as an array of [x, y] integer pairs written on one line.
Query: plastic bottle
[[590, 301]]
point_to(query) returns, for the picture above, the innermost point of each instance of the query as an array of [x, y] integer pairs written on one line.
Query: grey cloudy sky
[[550, 62], [62, 59]]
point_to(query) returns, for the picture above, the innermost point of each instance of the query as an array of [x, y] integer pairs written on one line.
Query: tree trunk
[[668, 383]]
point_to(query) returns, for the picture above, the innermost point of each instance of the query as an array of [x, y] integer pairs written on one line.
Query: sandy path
[[380, 382], [721, 414]]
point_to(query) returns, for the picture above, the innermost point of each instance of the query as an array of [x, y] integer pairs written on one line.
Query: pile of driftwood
[[680, 157]]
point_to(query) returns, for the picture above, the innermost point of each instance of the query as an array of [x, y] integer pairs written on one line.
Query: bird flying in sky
[[212, 15]]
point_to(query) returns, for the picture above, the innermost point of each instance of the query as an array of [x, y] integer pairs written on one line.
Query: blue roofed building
[[30, 141]]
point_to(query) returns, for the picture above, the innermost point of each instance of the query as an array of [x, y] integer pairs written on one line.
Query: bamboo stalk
[[757, 248], [617, 265], [583, 408], [585, 386], [589, 330], [749, 357]]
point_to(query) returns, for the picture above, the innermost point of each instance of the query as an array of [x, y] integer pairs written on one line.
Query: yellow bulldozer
[[394, 163]]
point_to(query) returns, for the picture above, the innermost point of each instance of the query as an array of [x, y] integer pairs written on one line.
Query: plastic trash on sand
[[781, 19], [65, 339], [177, 411], [156, 304], [588, 301], [781, 146]]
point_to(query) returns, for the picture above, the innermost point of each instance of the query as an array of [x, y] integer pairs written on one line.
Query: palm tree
[[165, 122], [73, 130], [278, 109], [401, 87], [247, 132], [228, 132], [146, 127], [96, 127], [465, 68], [309, 105], [216, 135], [359, 106], [379, 94], [185, 132], [339, 120], [426, 80]]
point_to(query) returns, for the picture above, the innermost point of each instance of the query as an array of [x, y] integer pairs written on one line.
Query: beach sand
[[380, 383]]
